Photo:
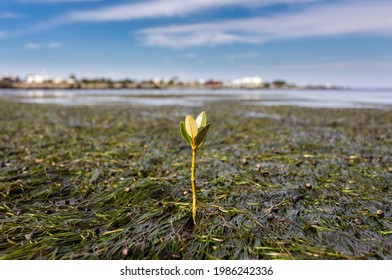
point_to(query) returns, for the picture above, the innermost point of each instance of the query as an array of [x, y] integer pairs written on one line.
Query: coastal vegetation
[[112, 182], [43, 82]]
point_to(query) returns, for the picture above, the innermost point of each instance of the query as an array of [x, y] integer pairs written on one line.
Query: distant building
[[71, 81], [247, 82], [57, 81], [35, 79]]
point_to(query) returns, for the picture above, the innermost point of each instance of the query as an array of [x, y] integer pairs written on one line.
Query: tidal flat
[[113, 182]]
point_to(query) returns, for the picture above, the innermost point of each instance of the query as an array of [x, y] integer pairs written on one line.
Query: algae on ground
[[112, 182]]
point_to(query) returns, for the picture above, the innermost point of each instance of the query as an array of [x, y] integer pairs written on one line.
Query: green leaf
[[201, 144], [184, 134], [201, 120], [191, 127], [201, 136]]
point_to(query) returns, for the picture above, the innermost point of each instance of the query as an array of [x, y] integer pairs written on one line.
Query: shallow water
[[381, 99]]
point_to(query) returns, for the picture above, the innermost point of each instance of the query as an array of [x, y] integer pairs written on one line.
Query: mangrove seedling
[[194, 133]]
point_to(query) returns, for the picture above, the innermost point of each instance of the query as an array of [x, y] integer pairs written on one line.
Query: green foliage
[[201, 120], [184, 134], [201, 136], [194, 131]]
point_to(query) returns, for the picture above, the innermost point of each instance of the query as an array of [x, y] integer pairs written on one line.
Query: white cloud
[[326, 20], [146, 9], [54, 45], [9, 15], [190, 55], [54, 1], [201, 38], [3, 34], [163, 8], [241, 56], [35, 46]]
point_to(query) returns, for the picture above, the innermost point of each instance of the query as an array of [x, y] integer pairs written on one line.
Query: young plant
[[194, 133]]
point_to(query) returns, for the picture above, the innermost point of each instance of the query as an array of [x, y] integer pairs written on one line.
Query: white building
[[247, 82], [35, 79]]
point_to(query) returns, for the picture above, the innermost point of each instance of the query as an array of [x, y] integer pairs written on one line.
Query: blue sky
[[342, 42]]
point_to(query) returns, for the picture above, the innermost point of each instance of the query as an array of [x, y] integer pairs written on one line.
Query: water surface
[[381, 99]]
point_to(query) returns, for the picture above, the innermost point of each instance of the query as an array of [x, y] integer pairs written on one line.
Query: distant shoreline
[[249, 83], [146, 85]]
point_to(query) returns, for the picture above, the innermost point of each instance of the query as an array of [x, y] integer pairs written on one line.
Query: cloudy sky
[[342, 42]]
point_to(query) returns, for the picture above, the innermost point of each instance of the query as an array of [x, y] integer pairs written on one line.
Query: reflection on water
[[197, 97]]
